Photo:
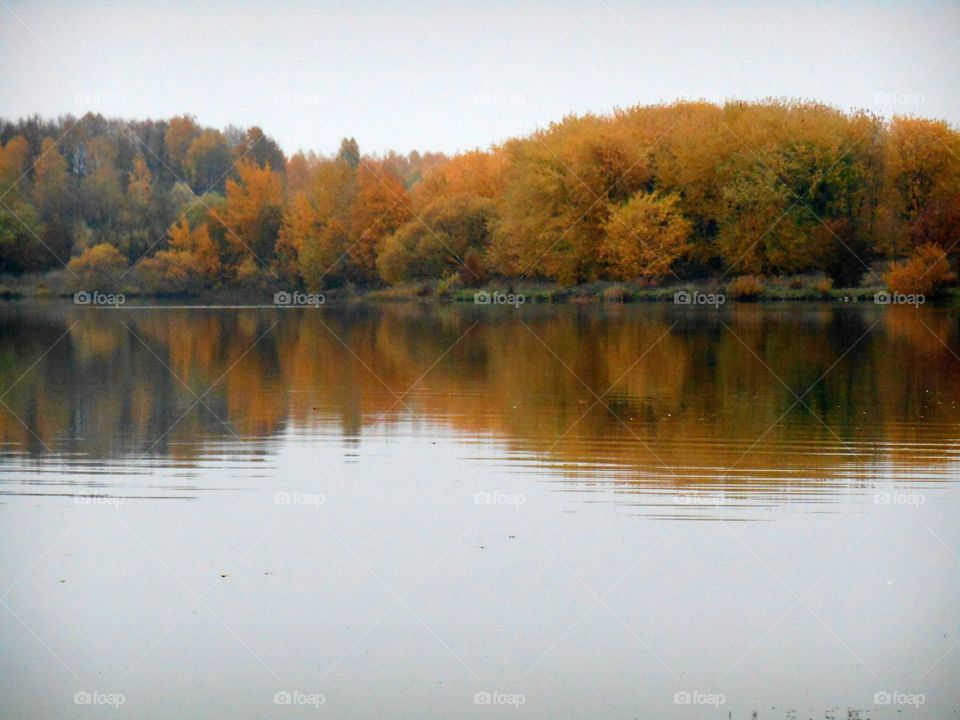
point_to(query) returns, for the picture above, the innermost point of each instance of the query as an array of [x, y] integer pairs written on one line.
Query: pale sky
[[451, 75]]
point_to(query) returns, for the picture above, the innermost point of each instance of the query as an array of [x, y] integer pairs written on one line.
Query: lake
[[429, 510]]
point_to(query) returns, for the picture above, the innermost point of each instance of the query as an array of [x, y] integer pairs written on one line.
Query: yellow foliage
[[472, 173], [644, 236], [181, 131], [98, 268], [13, 160], [139, 183], [314, 238]]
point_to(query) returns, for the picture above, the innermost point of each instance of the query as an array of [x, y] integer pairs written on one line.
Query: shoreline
[[503, 293]]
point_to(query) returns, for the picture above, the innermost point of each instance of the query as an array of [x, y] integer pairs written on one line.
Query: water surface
[[408, 510]]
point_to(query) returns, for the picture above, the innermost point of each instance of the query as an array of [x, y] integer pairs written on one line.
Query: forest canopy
[[650, 193]]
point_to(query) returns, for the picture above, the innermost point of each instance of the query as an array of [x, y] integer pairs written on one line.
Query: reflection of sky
[[495, 596], [448, 76]]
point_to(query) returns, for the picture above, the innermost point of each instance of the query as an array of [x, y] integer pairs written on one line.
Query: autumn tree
[[207, 162], [13, 162], [692, 153], [472, 173], [298, 174], [197, 244], [923, 183], [252, 214], [559, 185], [644, 236], [452, 234], [259, 149], [21, 247], [51, 199], [140, 182], [380, 208], [798, 189], [181, 132], [101, 191], [349, 152], [454, 215], [315, 238]]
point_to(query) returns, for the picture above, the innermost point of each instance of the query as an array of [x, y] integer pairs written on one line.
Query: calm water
[[471, 512]]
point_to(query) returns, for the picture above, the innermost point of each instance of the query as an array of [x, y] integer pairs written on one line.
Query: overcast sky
[[456, 75]]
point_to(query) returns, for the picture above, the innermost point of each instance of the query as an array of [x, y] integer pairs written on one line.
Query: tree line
[[648, 194]]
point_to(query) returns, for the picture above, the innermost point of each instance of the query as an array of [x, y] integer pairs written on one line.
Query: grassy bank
[[809, 289], [743, 289]]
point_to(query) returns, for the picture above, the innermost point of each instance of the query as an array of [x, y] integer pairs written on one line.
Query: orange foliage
[[924, 273], [198, 245], [746, 287], [253, 211], [380, 208]]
